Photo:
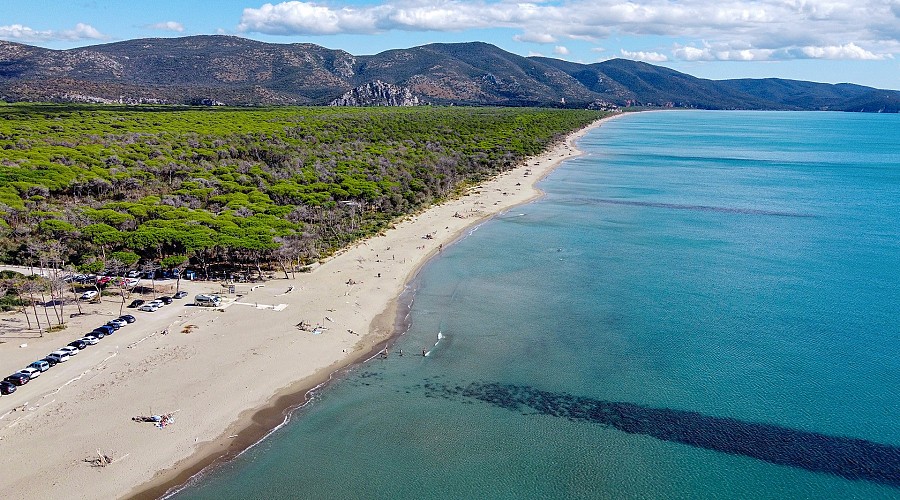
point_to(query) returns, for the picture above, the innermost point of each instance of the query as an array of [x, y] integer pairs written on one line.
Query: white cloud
[[726, 53], [23, 33], [848, 51], [168, 26], [736, 29], [644, 56], [693, 54], [535, 38], [560, 50], [308, 18]]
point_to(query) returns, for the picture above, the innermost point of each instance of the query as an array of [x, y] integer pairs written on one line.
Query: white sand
[[218, 374]]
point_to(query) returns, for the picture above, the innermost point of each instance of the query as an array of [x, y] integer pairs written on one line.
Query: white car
[[32, 373], [71, 351], [88, 295], [119, 322], [148, 307], [130, 282], [59, 356], [89, 340]]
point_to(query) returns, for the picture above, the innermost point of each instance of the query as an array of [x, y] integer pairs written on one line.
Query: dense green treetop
[[241, 185]]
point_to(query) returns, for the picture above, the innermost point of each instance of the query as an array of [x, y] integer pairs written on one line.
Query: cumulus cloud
[[168, 26], [725, 53], [560, 50], [543, 38], [848, 51], [644, 56], [23, 33], [758, 30]]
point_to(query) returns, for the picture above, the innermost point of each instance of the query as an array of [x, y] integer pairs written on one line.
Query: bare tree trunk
[[60, 286], [36, 317], [47, 314], [77, 302], [25, 310]]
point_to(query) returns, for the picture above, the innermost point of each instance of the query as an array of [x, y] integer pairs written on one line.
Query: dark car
[[136, 303], [18, 378], [50, 361], [180, 295], [78, 344], [114, 326], [7, 388], [96, 334], [105, 330], [128, 318], [165, 299]]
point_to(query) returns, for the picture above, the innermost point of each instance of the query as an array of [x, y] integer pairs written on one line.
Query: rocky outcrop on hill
[[377, 93]]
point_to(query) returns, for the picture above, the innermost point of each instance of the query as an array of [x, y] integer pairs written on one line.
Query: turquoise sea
[[704, 305]]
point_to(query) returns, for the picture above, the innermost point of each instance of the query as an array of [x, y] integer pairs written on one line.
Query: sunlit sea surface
[[705, 305]]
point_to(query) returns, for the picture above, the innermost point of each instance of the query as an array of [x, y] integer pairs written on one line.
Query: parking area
[[88, 339]]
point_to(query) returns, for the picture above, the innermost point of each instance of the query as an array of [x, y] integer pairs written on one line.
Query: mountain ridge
[[239, 71]]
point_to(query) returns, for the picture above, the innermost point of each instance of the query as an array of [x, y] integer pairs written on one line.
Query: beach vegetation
[[258, 189]]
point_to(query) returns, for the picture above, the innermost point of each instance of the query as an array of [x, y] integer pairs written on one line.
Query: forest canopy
[[173, 186]]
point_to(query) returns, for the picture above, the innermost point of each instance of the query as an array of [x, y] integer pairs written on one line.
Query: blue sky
[[832, 41]]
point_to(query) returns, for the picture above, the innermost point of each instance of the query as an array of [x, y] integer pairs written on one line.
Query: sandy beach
[[228, 375]]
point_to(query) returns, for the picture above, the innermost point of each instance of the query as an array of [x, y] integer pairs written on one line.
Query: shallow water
[[703, 306]]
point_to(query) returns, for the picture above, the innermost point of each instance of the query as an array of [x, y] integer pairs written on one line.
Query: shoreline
[[206, 368], [260, 423]]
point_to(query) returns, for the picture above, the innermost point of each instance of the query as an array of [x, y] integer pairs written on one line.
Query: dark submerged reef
[[850, 458]]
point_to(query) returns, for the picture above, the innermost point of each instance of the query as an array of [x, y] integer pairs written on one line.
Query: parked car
[[148, 308], [180, 295], [104, 280], [71, 351], [7, 388], [77, 344], [134, 273], [105, 329], [128, 318], [88, 295], [206, 300], [59, 356], [120, 322], [130, 282], [40, 365], [165, 299], [18, 378], [89, 340], [32, 373], [114, 326], [50, 361], [95, 334], [136, 303]]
